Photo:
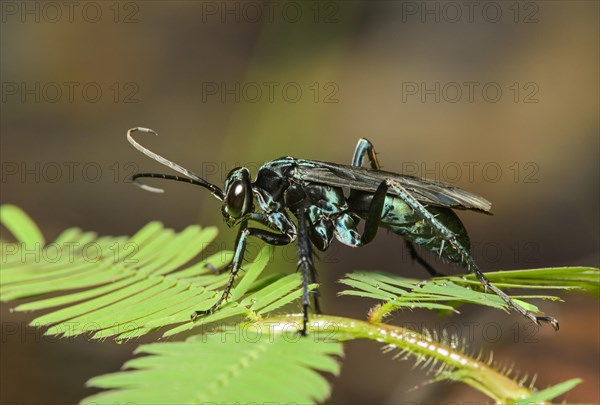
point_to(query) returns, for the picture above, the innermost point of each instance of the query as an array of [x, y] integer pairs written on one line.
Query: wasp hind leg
[[465, 257], [414, 255], [364, 147]]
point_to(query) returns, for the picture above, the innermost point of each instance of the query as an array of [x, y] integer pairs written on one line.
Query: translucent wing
[[360, 178]]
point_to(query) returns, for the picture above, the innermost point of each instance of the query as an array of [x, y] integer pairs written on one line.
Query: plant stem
[[460, 367]]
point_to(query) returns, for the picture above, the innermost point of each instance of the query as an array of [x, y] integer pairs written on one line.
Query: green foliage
[[123, 287], [135, 285], [446, 293], [550, 393], [563, 278], [235, 364], [21, 226]]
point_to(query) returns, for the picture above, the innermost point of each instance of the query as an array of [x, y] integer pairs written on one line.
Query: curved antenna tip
[[149, 188], [142, 129]]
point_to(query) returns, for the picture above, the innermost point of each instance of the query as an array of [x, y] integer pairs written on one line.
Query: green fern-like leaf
[[560, 278], [126, 287], [21, 226], [133, 286], [445, 293], [234, 365], [550, 393]]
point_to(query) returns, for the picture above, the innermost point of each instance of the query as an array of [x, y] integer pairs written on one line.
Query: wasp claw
[[197, 314], [548, 319]]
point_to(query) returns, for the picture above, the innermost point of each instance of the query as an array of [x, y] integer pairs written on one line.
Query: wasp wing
[[360, 178]]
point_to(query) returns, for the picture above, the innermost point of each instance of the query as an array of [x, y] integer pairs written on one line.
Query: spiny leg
[[305, 263], [315, 293], [366, 148], [271, 238], [216, 271], [414, 255], [467, 260]]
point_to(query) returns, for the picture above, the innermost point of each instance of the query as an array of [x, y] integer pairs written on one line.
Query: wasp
[[313, 193]]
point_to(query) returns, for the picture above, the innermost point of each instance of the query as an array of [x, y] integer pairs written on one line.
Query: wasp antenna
[[142, 129], [197, 180], [137, 176], [148, 188]]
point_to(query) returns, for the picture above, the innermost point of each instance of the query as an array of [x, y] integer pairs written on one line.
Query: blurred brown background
[[500, 98]]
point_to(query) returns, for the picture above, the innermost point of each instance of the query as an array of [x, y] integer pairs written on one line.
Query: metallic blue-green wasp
[[419, 210]]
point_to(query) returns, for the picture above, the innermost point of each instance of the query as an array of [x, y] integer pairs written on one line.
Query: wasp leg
[[466, 258], [315, 293], [414, 255], [305, 264], [374, 215], [313, 271], [346, 224], [271, 238], [366, 148], [217, 271]]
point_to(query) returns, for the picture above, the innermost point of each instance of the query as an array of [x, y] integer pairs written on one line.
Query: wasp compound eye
[[236, 197]]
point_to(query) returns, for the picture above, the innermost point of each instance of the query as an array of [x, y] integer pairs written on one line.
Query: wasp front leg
[[271, 238]]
